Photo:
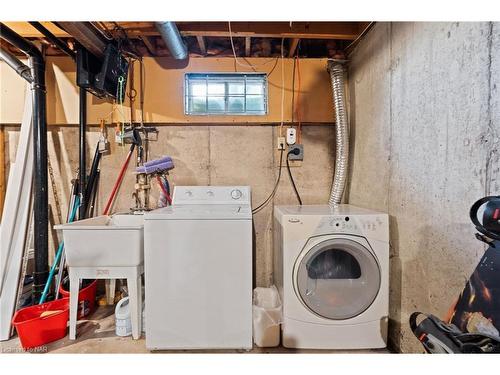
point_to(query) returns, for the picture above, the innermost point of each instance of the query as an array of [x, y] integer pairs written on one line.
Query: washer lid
[[337, 278], [201, 212]]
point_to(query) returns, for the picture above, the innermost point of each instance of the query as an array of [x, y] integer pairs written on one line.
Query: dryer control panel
[[350, 224], [212, 195]]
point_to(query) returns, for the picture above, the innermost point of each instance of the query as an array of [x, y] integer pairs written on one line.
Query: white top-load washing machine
[[331, 266], [198, 270]]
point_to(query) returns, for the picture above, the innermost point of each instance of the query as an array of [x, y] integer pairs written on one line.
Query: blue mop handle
[[58, 254]]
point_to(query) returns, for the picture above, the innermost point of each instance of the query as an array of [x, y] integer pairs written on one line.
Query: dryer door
[[337, 278]]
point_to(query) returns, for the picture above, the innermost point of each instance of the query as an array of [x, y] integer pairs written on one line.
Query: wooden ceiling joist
[[320, 39], [150, 44], [26, 30], [202, 44], [301, 30], [248, 46], [293, 46]]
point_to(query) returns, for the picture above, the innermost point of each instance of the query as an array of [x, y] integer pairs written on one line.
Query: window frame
[[227, 75]]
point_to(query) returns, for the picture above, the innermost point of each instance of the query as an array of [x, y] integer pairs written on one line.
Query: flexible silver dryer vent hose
[[336, 70]]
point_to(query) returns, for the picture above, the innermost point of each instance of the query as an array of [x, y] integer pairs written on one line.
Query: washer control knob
[[210, 193], [236, 194], [189, 193]]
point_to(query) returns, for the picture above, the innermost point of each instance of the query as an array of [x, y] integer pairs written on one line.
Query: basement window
[[225, 94]]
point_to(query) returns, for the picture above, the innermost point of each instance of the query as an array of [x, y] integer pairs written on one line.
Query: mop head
[[156, 166]]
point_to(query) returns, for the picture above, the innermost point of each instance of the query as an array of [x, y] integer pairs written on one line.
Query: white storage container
[[104, 241], [266, 317], [123, 323]]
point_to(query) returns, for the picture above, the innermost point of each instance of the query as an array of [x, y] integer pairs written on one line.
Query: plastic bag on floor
[[267, 317]]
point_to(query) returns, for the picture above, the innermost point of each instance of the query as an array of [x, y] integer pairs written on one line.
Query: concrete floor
[[97, 335]]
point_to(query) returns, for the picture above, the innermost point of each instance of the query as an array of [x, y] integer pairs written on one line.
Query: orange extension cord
[[297, 104]]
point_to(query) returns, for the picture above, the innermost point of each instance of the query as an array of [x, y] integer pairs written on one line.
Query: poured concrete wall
[[203, 155], [425, 115]]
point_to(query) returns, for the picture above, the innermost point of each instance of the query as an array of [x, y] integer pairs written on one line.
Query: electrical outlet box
[[281, 143], [291, 136], [300, 155]]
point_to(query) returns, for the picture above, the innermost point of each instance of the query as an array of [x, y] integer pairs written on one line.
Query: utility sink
[[104, 241]]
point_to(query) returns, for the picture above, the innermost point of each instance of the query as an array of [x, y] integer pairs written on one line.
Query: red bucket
[[86, 298], [34, 330]]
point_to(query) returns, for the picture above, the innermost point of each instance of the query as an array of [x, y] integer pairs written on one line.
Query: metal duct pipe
[[40, 199], [16, 64], [173, 40], [336, 70], [87, 35], [54, 39]]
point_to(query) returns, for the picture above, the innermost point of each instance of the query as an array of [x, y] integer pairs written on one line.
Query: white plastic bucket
[[123, 323], [267, 317]]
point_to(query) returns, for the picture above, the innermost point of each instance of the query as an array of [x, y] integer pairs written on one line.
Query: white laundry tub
[[104, 241]]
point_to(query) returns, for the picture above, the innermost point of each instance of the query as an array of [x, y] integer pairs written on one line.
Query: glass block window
[[225, 94]]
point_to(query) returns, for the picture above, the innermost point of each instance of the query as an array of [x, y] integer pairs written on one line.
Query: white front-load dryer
[[331, 267]]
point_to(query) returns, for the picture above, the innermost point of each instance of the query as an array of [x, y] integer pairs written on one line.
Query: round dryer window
[[337, 278]]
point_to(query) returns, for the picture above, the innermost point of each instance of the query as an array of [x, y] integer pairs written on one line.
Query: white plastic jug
[[123, 323]]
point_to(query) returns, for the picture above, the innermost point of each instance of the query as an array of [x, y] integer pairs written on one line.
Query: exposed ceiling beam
[[26, 30], [248, 46], [302, 30], [293, 46], [87, 35], [150, 44], [201, 44]]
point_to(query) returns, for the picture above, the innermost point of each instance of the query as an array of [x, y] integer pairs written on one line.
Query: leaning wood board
[[15, 220]]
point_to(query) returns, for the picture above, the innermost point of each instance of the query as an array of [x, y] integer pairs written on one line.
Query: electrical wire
[[142, 84], [291, 177], [282, 87], [293, 90], [246, 65], [360, 36], [299, 114], [273, 193]]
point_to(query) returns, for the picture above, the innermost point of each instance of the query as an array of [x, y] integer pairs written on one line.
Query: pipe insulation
[[173, 40], [337, 72]]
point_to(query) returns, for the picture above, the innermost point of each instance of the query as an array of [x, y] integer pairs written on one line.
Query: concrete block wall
[[425, 118], [203, 155]]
